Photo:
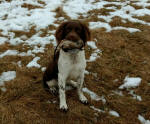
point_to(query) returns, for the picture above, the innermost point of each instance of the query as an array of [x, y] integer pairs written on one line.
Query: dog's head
[[73, 31]]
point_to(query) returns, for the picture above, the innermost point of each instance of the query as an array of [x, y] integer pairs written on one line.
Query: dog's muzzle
[[71, 46]]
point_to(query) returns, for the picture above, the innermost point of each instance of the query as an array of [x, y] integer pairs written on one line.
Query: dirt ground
[[123, 53]]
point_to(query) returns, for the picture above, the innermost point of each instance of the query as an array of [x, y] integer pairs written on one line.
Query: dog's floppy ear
[[59, 34], [86, 33]]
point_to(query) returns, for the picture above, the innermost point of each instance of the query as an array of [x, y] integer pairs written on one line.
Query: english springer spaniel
[[69, 61]]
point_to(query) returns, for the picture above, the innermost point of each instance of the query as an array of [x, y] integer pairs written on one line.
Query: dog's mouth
[[72, 47], [71, 50]]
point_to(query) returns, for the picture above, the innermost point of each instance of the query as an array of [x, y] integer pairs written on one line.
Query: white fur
[[71, 66]]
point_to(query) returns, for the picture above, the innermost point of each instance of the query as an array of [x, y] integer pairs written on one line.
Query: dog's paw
[[53, 90], [64, 108], [84, 100]]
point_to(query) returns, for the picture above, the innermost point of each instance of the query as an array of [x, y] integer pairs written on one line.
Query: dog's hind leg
[[73, 83], [53, 85]]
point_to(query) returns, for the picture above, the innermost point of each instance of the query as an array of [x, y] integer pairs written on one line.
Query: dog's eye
[[68, 30], [77, 30]]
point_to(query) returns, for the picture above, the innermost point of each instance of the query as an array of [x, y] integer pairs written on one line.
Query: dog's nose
[[73, 37]]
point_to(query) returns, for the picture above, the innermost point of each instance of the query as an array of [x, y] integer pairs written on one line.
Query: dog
[[69, 63]]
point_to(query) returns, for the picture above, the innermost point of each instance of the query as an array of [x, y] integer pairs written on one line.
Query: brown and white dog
[[69, 61]]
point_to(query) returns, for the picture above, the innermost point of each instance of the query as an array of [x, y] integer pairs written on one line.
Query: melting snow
[[14, 17], [93, 95], [15, 52], [6, 76], [131, 30], [130, 82], [96, 52], [74, 8], [143, 120], [43, 69], [114, 113], [135, 96], [92, 44], [9, 52], [126, 12], [94, 55], [34, 63], [3, 40], [21, 19], [19, 63], [96, 109], [94, 25]]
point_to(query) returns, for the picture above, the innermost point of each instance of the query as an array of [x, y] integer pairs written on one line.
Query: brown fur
[[79, 29]]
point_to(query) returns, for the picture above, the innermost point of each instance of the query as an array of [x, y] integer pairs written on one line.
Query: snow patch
[[3, 40], [143, 120], [114, 113], [93, 95], [130, 82], [96, 109], [74, 8], [7, 76], [94, 25], [9, 53], [131, 30], [92, 44], [15, 52], [135, 96], [43, 69], [34, 63], [94, 55], [19, 63]]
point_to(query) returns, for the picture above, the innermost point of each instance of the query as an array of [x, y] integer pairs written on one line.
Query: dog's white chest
[[71, 65]]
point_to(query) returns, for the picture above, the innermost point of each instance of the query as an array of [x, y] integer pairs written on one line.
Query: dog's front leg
[[62, 95], [82, 98]]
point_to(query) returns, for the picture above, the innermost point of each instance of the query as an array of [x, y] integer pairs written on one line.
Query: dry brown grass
[[113, 5], [29, 6], [135, 6], [148, 7], [104, 11], [26, 102], [41, 2], [60, 13], [29, 34], [144, 18], [117, 21]]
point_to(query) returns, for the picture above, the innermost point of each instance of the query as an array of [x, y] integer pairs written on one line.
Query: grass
[[29, 6], [26, 102]]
